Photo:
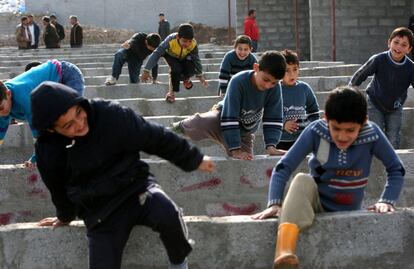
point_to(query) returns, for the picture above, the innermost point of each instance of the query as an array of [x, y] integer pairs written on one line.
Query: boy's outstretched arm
[[368, 69]]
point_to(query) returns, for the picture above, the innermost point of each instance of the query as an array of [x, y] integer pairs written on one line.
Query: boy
[[393, 73], [15, 93], [180, 50], [342, 146], [300, 106], [134, 51], [252, 95], [89, 158], [236, 60]]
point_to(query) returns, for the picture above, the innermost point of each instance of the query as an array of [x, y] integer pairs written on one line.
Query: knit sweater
[[341, 175], [231, 65], [21, 88], [244, 107], [388, 89], [300, 104]]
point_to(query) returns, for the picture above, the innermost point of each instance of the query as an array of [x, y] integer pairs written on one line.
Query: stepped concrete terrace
[[357, 239], [342, 240], [236, 188]]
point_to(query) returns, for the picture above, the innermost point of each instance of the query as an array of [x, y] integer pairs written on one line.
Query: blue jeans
[[254, 45], [72, 77], [389, 122], [134, 66]]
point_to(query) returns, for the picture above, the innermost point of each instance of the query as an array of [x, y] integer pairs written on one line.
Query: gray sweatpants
[[301, 202], [207, 126]]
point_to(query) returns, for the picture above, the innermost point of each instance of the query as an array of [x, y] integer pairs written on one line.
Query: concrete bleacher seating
[[212, 202]]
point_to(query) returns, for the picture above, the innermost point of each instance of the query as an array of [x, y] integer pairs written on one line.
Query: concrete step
[[237, 187], [212, 67], [366, 240]]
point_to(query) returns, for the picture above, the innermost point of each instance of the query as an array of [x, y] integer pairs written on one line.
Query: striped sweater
[[341, 175], [300, 104], [244, 107], [231, 65]]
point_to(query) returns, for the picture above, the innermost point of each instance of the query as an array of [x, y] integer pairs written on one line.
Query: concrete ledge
[[341, 240], [237, 187]]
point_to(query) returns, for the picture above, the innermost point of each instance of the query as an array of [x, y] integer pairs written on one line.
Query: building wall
[[362, 27], [276, 19], [137, 15]]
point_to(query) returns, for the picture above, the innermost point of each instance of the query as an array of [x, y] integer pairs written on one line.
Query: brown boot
[[285, 256]]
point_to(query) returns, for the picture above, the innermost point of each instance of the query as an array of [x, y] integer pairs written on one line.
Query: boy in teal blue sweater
[[342, 147], [15, 93]]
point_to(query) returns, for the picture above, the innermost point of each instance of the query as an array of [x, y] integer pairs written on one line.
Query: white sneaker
[[110, 81]]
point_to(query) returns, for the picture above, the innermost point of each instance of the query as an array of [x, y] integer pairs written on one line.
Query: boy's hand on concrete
[[291, 126], [145, 76], [203, 80], [52, 221], [269, 212], [381, 208], [271, 150], [30, 165], [242, 155], [207, 165]]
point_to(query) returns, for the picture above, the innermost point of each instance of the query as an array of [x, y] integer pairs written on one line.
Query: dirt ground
[[99, 35]]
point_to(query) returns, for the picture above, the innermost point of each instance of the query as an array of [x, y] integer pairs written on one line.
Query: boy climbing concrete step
[[238, 187], [254, 249]]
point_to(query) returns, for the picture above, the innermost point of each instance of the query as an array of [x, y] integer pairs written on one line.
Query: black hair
[[274, 63], [401, 32], [46, 19], [251, 11], [3, 91], [161, 14], [185, 30], [243, 39], [153, 40], [291, 57], [23, 18], [346, 104], [31, 65], [53, 16]]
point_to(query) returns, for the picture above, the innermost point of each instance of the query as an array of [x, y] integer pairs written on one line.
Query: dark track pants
[[107, 240], [179, 70]]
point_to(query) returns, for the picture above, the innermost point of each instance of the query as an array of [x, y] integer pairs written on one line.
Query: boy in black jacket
[[134, 51], [89, 158]]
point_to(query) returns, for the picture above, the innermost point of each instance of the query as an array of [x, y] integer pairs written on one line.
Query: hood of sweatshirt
[[49, 101]]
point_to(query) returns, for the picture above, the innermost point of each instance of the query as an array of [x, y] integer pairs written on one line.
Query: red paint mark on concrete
[[5, 218], [32, 179], [269, 172], [245, 181], [238, 210], [211, 183]]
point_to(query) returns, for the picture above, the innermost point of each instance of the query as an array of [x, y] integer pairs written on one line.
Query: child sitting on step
[[238, 59], [300, 106], [342, 146], [252, 96], [180, 50]]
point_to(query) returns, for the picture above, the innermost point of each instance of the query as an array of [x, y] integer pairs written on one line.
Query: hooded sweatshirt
[[91, 176]]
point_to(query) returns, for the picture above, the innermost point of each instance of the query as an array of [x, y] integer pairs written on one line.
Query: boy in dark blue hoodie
[[89, 158]]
